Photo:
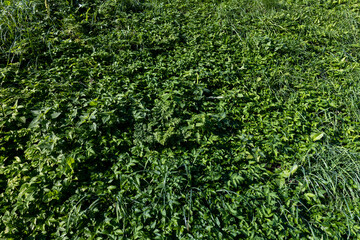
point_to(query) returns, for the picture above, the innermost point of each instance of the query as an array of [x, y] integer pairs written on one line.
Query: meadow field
[[179, 119]]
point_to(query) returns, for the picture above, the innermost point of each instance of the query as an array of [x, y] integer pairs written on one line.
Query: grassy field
[[179, 119]]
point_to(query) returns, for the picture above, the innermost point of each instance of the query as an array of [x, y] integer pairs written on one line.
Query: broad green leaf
[[35, 122], [294, 168], [55, 115], [317, 136]]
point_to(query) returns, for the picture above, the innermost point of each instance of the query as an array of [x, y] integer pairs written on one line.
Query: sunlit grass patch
[[333, 174]]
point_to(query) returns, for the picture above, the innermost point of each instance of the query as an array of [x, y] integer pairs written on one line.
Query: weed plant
[[179, 119]]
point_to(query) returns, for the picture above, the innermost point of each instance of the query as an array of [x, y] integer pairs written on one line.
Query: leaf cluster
[[179, 119]]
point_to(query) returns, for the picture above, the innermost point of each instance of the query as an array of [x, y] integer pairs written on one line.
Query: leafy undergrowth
[[194, 119]]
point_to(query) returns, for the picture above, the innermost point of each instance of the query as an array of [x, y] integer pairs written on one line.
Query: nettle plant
[[179, 119]]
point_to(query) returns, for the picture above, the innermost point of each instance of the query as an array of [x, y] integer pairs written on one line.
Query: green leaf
[[308, 196], [22, 119], [35, 122], [294, 168], [93, 103], [55, 115], [317, 136]]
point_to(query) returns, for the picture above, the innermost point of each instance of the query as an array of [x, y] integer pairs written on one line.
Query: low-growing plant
[[179, 119]]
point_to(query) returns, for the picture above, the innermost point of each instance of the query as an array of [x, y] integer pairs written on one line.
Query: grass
[[193, 119], [333, 173]]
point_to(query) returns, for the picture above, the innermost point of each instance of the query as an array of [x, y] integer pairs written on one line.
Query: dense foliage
[[184, 119]]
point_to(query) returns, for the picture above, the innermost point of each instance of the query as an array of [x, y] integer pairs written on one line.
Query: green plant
[[179, 119]]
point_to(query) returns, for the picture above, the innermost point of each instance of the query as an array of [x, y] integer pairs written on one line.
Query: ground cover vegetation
[[183, 119]]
